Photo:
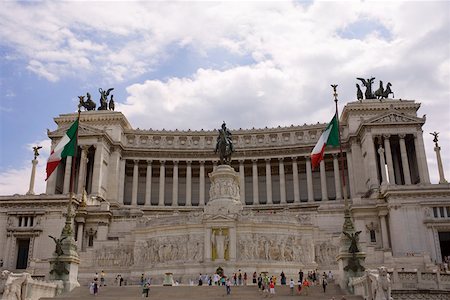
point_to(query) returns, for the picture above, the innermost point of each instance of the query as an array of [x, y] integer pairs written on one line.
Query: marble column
[[389, 162], [113, 178], [268, 181], [442, 179], [337, 177], [421, 157], [148, 183], [67, 173], [242, 181], [134, 190], [162, 182], [295, 179], [282, 181], [34, 162], [96, 172], [202, 184], [82, 173], [175, 184], [80, 236], [188, 183], [309, 181], [382, 165], [233, 244], [255, 181], [384, 231], [323, 180], [121, 180], [207, 245], [404, 155]]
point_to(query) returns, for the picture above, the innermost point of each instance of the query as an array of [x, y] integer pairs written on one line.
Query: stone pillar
[[207, 253], [370, 161], [233, 243], [384, 230], [148, 183], [33, 175], [390, 164], [162, 182], [323, 180], [80, 236], [309, 181], [202, 186], [382, 165], [295, 179], [175, 183], [282, 181], [404, 156], [437, 149], [67, 173], [97, 174], [242, 181], [82, 173], [121, 180], [421, 158], [268, 181], [7, 263], [188, 183], [113, 174], [255, 181], [337, 177], [350, 180], [134, 190]]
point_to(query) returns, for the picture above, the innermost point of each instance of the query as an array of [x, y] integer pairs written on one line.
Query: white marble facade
[[150, 205]]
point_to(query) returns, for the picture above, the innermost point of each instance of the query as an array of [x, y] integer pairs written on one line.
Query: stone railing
[[404, 283], [23, 286]]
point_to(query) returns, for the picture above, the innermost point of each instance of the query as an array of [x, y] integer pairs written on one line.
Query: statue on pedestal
[[381, 283], [224, 145], [220, 241], [36, 151]]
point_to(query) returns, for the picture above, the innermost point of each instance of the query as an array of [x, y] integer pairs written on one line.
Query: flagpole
[[348, 224], [67, 230]]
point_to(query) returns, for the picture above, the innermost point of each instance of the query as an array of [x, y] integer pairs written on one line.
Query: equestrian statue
[[224, 145]]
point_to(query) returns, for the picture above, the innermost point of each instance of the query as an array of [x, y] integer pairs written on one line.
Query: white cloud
[[16, 180]]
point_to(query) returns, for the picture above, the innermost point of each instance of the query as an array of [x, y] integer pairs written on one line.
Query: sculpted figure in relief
[[381, 283], [220, 241]]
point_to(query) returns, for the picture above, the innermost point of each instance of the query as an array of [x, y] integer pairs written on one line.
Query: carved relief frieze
[[114, 256], [326, 252], [274, 247]]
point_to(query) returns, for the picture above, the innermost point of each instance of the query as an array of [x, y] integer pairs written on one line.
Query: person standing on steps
[[228, 286], [324, 282], [291, 286]]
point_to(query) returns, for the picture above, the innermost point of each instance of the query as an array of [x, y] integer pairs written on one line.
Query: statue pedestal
[[224, 192], [349, 259], [65, 266]]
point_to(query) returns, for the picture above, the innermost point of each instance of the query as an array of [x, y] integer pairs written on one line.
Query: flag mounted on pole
[[330, 137], [66, 147]]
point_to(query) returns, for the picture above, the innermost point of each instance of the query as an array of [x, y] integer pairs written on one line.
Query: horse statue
[[359, 94], [224, 145], [380, 92], [388, 91], [88, 104]]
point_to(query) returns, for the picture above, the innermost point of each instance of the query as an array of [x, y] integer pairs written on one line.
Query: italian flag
[[66, 147], [330, 137]]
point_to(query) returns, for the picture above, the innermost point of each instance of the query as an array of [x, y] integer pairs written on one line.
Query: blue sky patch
[[360, 29]]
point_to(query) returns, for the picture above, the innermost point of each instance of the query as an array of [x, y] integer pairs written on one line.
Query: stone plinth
[[224, 192]]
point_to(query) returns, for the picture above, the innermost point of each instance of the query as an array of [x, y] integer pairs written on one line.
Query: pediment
[[394, 118], [83, 130]]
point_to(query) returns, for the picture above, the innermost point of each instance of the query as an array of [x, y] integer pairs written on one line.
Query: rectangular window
[[441, 210], [31, 221], [373, 238], [20, 221], [435, 212]]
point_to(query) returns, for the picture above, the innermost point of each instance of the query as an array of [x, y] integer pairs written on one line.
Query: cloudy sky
[[193, 64]]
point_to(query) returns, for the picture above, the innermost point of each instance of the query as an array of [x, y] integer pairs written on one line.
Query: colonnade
[[169, 170]]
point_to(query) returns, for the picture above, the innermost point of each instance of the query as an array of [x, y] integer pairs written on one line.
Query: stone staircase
[[205, 293]]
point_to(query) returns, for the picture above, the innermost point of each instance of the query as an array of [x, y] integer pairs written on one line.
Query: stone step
[[205, 293]]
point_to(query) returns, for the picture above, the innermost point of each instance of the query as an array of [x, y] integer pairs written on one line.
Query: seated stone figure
[[15, 285], [381, 283]]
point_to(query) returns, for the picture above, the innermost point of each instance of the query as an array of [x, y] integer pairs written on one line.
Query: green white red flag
[[66, 147], [330, 137]]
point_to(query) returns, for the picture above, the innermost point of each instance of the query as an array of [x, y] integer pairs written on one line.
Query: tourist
[[283, 278], [200, 280], [254, 277], [260, 283], [272, 288], [324, 282], [222, 280], [234, 279], [142, 279], [300, 276], [91, 288], [291, 286], [145, 288], [305, 286], [228, 286], [245, 278], [95, 286], [209, 280], [102, 278], [299, 287], [240, 278], [120, 280], [330, 276]]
